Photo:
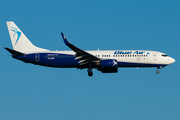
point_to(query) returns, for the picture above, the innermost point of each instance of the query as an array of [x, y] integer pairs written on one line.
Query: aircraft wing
[[83, 56]]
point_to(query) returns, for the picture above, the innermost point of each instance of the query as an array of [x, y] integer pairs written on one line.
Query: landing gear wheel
[[157, 71], [90, 73]]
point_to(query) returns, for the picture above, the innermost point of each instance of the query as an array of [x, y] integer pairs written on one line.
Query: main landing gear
[[90, 73]]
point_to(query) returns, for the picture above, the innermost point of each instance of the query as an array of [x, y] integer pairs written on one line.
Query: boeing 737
[[106, 61]]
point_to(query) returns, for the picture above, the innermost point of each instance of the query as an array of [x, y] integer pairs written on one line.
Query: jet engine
[[108, 66]]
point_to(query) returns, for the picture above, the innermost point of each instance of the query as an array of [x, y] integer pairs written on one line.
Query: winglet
[[65, 39]]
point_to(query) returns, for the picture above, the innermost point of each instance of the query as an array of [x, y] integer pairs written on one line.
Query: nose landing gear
[[157, 71], [159, 67]]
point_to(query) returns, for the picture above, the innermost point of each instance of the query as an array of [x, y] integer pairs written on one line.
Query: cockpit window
[[164, 55]]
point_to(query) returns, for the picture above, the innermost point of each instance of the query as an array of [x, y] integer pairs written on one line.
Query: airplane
[[106, 61]]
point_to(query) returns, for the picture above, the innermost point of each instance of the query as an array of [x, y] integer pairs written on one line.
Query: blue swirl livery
[[16, 32]]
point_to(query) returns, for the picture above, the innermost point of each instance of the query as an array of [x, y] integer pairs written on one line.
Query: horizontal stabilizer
[[14, 52]]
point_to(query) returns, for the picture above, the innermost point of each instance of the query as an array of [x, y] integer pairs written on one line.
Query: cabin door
[[37, 57], [155, 56]]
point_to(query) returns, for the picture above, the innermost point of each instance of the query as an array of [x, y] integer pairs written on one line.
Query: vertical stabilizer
[[19, 41]]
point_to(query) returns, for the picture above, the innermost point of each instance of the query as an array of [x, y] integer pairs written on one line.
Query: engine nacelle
[[108, 66]]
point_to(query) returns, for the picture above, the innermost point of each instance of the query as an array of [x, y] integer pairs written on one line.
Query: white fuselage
[[122, 56]]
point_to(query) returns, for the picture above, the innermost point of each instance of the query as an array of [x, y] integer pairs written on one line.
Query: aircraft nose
[[171, 60]]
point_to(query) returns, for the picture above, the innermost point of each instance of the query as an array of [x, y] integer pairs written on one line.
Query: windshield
[[164, 55]]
